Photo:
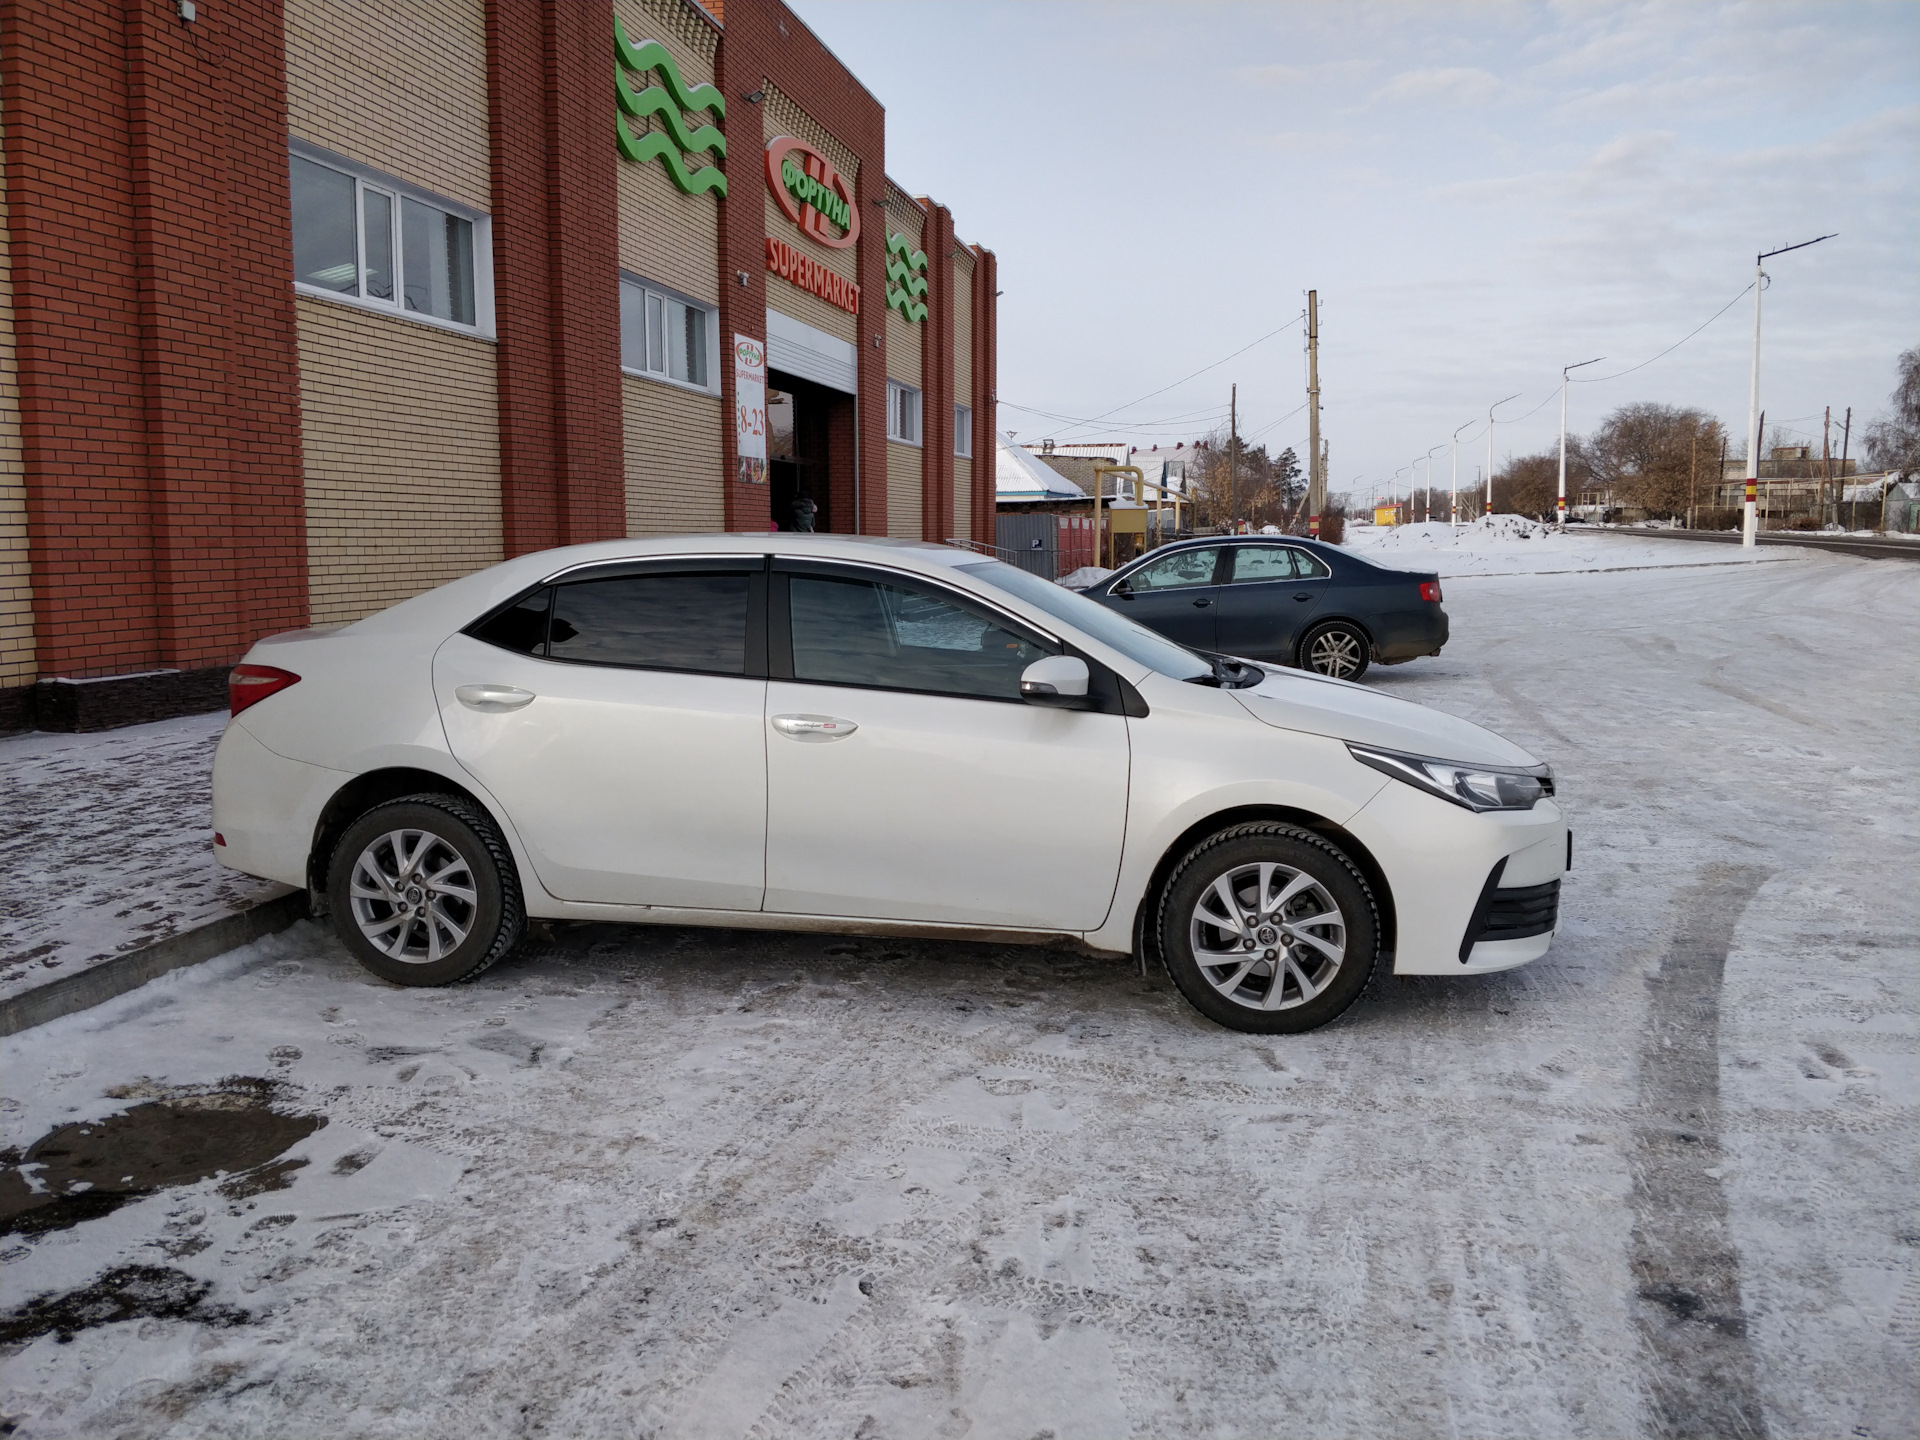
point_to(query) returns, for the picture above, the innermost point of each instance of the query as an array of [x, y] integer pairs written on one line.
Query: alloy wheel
[[1336, 653], [1267, 936], [413, 896]]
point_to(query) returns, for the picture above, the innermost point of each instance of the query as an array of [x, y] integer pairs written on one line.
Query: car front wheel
[[423, 891], [1338, 649], [1268, 929]]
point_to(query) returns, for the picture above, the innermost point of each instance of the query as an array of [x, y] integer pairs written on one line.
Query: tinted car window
[[1136, 642], [860, 632], [654, 622], [1176, 571], [522, 629], [1262, 562], [1274, 562]]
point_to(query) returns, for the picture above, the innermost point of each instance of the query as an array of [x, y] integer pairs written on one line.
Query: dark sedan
[[1295, 602]]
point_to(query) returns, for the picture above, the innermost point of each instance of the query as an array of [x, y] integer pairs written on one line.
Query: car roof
[[454, 604]]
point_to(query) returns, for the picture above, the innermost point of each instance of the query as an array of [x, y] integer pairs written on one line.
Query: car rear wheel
[[423, 891], [1339, 649], [1268, 929]]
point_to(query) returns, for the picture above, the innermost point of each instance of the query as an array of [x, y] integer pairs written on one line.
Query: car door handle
[[814, 727], [493, 698], [1304, 595], [1201, 604]]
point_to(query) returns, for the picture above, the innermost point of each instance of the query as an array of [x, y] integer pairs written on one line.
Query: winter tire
[[1338, 648], [1268, 929], [423, 891]]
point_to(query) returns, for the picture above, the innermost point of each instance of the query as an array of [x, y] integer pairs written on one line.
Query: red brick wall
[[763, 39], [556, 272], [147, 179], [986, 382], [936, 371]]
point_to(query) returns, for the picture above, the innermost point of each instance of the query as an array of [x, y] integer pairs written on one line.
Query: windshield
[[1136, 642]]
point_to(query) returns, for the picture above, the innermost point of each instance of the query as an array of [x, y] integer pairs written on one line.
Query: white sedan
[[832, 733]]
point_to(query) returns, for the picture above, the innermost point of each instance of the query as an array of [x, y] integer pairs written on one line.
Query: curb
[[134, 968]]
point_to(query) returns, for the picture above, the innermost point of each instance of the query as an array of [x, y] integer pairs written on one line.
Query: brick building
[[308, 306]]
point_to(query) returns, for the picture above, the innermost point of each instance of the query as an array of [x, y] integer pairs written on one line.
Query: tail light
[[1430, 590], [250, 684]]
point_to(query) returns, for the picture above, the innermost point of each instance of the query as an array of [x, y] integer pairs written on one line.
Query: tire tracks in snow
[[1687, 1306]]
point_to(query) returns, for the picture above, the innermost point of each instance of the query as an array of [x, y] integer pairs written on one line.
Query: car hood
[[1301, 700]]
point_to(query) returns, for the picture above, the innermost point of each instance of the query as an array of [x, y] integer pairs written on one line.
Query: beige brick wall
[[963, 470], [400, 86], [674, 463], [400, 434], [16, 571], [904, 502], [782, 117], [665, 235]]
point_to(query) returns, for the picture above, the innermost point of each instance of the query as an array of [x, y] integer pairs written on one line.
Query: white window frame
[[366, 178], [963, 431], [896, 392], [657, 294]]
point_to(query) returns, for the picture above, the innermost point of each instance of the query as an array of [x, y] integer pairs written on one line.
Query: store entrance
[[799, 415]]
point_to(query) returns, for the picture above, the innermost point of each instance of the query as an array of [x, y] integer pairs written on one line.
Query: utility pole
[[1826, 460], [1693, 477], [1490, 409], [1750, 528], [1846, 434], [1316, 467], [1564, 370], [1233, 461]]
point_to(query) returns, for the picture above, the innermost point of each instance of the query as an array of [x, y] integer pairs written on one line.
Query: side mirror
[[1122, 589], [1058, 680]]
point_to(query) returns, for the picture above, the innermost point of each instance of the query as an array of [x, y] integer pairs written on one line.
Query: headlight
[[1477, 787]]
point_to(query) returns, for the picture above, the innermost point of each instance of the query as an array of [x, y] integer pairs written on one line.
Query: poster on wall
[[750, 410]]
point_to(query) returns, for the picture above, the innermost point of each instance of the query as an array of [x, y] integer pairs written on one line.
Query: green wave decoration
[[909, 308], [903, 247], [655, 101], [655, 146], [653, 56], [900, 275]]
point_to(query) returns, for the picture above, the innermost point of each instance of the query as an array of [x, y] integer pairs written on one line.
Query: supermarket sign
[[813, 277]]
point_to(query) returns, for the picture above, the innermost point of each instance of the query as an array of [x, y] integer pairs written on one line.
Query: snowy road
[[683, 1184]]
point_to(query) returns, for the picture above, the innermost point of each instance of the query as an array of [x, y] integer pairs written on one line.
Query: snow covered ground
[[106, 844], [665, 1182], [1515, 545]]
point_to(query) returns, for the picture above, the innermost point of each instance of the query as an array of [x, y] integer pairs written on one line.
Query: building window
[[665, 335], [359, 237], [962, 430], [903, 413]]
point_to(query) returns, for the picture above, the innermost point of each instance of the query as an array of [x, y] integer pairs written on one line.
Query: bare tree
[[1649, 456], [1530, 484], [1268, 486], [1893, 443]]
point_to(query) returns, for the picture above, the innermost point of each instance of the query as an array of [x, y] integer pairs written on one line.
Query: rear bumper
[[266, 807], [1411, 633]]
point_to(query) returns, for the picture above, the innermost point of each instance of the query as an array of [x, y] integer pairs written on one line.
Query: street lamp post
[[1453, 500], [1490, 409], [1564, 371], [1750, 526], [1429, 458]]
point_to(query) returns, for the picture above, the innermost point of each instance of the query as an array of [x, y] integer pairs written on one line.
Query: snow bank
[[1515, 545]]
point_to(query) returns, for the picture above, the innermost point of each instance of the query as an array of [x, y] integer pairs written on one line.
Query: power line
[[1101, 419], [1676, 344]]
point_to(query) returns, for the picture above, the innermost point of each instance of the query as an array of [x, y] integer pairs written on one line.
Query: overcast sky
[[1480, 194]]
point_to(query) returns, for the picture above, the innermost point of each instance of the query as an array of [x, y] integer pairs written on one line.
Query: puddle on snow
[[93, 1167]]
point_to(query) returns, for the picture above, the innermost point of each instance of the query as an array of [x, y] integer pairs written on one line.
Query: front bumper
[[1437, 858]]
